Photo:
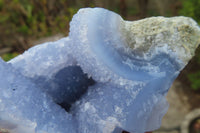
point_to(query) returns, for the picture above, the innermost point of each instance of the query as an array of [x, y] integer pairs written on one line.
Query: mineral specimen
[[109, 75]]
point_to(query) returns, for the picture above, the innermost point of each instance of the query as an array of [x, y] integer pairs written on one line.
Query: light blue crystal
[[106, 76]]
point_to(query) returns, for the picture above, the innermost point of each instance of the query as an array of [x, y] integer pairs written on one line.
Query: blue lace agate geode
[[109, 75]]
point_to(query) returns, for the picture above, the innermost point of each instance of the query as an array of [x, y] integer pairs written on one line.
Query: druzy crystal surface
[[107, 76]]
